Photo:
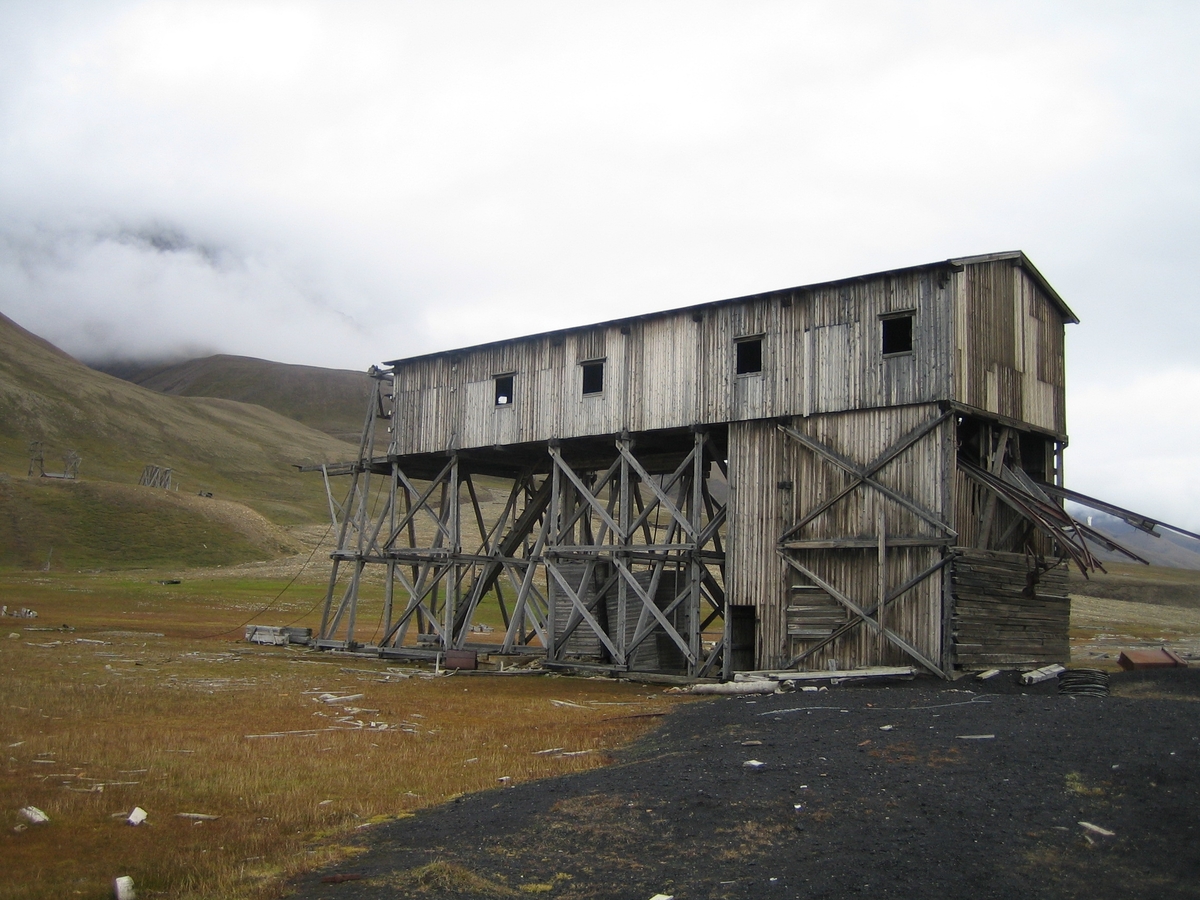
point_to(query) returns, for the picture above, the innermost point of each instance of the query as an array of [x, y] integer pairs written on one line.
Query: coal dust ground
[[915, 790]]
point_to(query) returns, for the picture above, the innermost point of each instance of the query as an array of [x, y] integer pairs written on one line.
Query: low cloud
[[153, 292]]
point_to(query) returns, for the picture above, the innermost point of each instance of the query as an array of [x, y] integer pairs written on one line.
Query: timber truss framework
[[599, 557], [866, 611], [1002, 481]]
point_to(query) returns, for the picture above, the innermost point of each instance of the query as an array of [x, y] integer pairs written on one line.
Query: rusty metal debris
[[1157, 658]]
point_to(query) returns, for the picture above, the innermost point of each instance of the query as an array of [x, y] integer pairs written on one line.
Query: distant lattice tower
[[71, 461], [37, 458], [156, 476]]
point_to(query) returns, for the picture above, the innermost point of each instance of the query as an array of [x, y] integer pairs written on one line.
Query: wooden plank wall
[[754, 572], [822, 352], [1001, 620], [760, 458], [1009, 346]]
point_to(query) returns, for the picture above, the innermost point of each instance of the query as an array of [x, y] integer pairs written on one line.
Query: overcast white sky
[[340, 183]]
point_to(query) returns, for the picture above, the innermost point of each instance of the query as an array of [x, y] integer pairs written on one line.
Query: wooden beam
[[871, 468], [866, 543], [864, 616], [857, 471]]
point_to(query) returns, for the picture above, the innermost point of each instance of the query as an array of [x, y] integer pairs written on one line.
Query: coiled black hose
[[1089, 682]]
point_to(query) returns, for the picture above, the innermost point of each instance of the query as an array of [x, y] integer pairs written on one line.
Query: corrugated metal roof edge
[[955, 263]]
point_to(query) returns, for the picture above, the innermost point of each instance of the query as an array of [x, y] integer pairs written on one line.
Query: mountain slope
[[329, 400], [1169, 549], [238, 451]]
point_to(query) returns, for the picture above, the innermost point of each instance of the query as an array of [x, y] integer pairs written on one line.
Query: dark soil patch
[[866, 791]]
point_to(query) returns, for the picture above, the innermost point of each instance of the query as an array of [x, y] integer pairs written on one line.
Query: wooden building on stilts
[[858, 473]]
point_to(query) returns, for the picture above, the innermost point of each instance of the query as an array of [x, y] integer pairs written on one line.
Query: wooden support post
[[988, 516], [626, 540], [881, 528], [694, 567], [554, 515], [454, 517]]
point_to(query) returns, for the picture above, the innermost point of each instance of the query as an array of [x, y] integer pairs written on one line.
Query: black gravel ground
[[913, 790]]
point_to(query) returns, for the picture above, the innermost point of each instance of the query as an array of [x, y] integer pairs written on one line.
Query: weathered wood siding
[[754, 570], [1004, 616], [821, 352], [774, 481], [1009, 346]]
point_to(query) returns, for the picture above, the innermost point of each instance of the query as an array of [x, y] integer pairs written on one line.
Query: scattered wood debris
[[123, 888], [33, 815], [1045, 673], [736, 688]]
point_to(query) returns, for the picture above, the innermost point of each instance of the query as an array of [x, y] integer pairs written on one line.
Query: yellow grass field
[[141, 702]]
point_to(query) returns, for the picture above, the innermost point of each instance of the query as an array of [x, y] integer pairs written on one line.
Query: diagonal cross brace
[[586, 494], [659, 492], [422, 503], [871, 468], [650, 606], [862, 476], [894, 594], [582, 610], [864, 615]]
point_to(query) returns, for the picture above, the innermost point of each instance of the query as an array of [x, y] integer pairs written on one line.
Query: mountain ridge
[[330, 400], [236, 450]]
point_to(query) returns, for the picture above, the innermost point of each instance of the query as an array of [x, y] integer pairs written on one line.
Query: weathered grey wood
[[865, 617], [852, 462]]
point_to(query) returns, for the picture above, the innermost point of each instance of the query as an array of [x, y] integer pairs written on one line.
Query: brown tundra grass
[[92, 728]]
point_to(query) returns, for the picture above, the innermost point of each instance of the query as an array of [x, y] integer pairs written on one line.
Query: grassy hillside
[[238, 451], [330, 400], [1136, 583], [74, 525]]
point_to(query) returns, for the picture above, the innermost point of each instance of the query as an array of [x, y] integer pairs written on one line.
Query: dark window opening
[[749, 356], [593, 377], [1037, 456], [897, 335], [504, 390], [742, 633]]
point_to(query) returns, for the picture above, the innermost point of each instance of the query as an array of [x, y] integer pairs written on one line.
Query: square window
[[593, 377], [749, 356], [897, 335], [504, 390]]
